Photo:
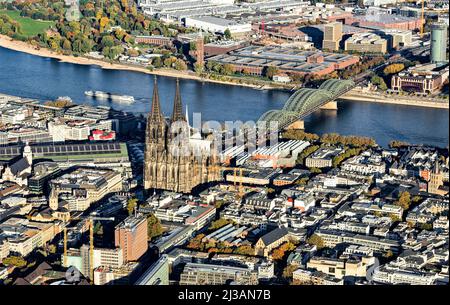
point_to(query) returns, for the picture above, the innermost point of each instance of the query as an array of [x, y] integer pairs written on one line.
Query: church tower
[[172, 161], [155, 142], [53, 200]]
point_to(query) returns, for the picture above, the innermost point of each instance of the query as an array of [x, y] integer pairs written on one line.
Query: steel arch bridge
[[307, 100]]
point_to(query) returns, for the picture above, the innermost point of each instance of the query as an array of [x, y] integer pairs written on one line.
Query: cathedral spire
[[177, 113], [155, 112]]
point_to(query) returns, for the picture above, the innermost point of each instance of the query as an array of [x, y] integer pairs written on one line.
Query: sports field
[[29, 26]]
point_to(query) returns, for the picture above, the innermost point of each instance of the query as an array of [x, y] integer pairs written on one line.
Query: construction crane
[[91, 220], [237, 179], [422, 21]]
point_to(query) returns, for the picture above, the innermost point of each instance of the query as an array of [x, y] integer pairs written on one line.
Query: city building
[[381, 19], [271, 240], [156, 274], [209, 274], [79, 188], [254, 60], [218, 25], [332, 35], [424, 79], [366, 43], [177, 165], [131, 236], [323, 157], [439, 36]]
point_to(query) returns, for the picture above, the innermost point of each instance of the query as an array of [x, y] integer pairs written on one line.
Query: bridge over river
[[307, 100]]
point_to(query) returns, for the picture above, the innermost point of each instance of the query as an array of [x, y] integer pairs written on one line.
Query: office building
[[332, 35], [132, 237], [366, 43], [208, 274]]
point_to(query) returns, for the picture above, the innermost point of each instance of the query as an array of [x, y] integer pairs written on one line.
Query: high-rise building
[[175, 160], [132, 237], [438, 42], [332, 35]]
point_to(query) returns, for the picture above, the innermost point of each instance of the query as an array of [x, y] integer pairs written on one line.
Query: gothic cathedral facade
[[172, 162]]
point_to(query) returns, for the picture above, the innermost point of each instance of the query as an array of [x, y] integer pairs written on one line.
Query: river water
[[45, 79]]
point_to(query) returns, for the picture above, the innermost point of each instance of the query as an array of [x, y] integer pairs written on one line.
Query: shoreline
[[355, 95], [21, 46]]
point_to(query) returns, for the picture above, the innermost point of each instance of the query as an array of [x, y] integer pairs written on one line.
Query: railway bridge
[[306, 101]]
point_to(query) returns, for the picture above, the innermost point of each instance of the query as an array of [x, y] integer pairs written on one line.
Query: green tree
[[227, 69], [131, 205], [17, 261], [219, 223], [270, 71], [157, 62], [376, 80], [198, 68], [227, 34], [155, 228], [180, 65]]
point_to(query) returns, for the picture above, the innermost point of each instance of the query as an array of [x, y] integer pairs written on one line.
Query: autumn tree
[[219, 223], [270, 71], [393, 68], [317, 241], [17, 261], [404, 200], [154, 226], [131, 205]]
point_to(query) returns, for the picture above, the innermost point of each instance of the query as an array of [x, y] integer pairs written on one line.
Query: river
[[46, 79]]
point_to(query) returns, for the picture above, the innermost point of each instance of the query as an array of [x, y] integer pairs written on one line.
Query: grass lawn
[[30, 27]]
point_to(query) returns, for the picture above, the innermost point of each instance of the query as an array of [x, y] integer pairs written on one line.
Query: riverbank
[[20, 46], [357, 95]]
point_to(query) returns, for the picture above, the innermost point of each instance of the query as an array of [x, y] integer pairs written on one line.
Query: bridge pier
[[297, 125], [330, 106]]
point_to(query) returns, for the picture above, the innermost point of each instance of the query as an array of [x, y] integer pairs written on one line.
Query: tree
[[154, 227], [219, 223], [288, 271], [198, 68], [270, 71], [296, 134], [305, 153], [393, 68], [107, 41], [317, 241], [397, 144], [389, 254], [244, 250], [157, 62], [227, 69], [404, 200], [376, 80], [131, 205], [315, 170], [180, 65], [227, 33], [17, 261]]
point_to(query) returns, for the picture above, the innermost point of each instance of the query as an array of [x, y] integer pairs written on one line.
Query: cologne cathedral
[[175, 158]]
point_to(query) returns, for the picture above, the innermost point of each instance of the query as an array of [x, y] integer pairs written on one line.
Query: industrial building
[[219, 25], [366, 43], [254, 59]]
